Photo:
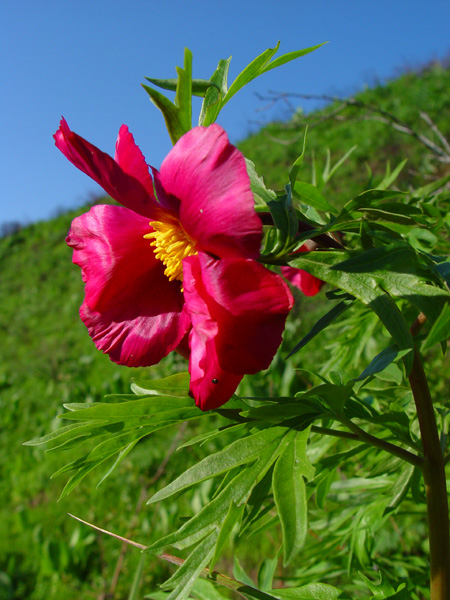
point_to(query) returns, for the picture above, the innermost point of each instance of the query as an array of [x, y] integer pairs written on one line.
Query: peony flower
[[177, 269], [305, 282]]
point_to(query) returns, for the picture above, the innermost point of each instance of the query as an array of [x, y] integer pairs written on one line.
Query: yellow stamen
[[172, 244]]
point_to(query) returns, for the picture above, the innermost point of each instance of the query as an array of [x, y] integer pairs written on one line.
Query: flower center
[[172, 244]]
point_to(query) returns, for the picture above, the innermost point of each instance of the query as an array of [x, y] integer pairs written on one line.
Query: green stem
[[362, 435], [433, 470]]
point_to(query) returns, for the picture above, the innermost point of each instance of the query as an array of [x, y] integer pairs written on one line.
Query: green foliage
[[242, 468], [215, 91]]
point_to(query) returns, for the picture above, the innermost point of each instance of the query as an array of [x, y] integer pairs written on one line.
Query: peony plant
[[194, 260]]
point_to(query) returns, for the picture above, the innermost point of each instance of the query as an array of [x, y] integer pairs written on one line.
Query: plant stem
[[363, 436], [433, 469]]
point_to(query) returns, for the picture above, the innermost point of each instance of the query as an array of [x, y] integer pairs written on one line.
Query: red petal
[[209, 178], [130, 191], [245, 306], [304, 281], [133, 312], [132, 161], [210, 385]]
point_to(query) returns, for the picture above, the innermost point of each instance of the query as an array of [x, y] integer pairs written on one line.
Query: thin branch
[[441, 153], [143, 493], [216, 577], [363, 436]]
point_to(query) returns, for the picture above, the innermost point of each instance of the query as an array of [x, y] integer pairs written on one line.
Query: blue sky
[[85, 59]]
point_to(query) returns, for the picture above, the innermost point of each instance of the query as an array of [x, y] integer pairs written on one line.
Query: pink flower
[[177, 271], [305, 282]]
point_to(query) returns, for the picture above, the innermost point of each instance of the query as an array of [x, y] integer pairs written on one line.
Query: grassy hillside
[[48, 359], [274, 148]]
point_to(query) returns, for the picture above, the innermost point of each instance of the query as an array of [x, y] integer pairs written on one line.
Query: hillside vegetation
[[47, 358]]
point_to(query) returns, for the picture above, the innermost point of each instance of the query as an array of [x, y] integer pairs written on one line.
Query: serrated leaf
[[290, 495]]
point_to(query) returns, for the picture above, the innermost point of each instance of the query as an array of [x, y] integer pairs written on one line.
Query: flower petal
[[132, 311], [209, 178], [131, 160], [305, 282], [117, 182], [210, 385], [246, 303]]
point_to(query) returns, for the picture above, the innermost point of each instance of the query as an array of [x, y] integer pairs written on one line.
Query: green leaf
[[170, 113], [328, 171], [440, 331], [313, 591], [183, 580], [335, 396], [212, 103], [266, 573], [400, 488], [206, 590], [284, 218], [293, 174], [251, 71], [240, 574], [261, 194], [178, 115], [156, 408], [237, 490], [233, 515], [313, 196], [363, 286], [381, 361], [199, 86], [290, 494], [397, 270], [285, 58], [177, 385], [183, 95], [237, 453], [389, 178], [322, 324]]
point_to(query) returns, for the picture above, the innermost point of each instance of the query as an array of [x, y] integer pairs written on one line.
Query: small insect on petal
[[214, 380]]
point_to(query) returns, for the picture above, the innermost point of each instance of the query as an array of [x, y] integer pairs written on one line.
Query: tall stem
[[433, 469]]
